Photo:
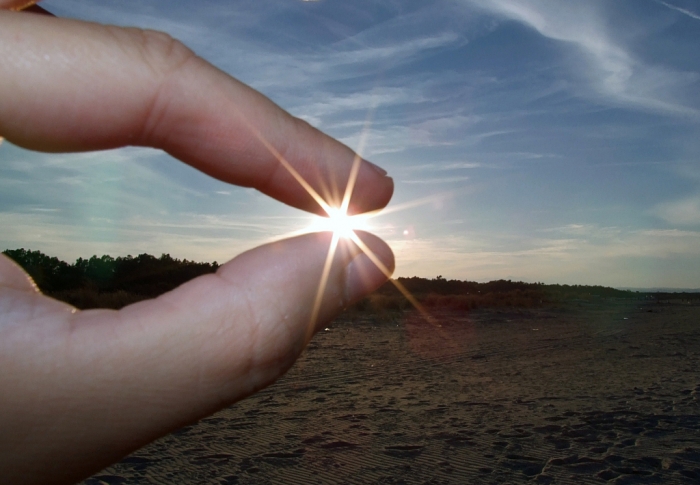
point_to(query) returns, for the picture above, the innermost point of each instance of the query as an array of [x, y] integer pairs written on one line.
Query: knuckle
[[164, 58], [160, 52]]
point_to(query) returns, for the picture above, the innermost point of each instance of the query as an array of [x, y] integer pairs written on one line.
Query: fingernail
[[376, 168]]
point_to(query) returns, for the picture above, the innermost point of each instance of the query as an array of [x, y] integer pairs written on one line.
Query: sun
[[342, 225], [339, 223]]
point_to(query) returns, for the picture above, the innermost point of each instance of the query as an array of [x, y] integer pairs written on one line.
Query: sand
[[603, 392]]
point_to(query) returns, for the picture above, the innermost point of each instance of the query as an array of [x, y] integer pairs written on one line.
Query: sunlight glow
[[342, 224], [322, 286], [19, 5], [339, 223], [407, 294]]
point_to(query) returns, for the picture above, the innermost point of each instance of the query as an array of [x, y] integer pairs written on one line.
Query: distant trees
[[49, 273], [442, 286], [441, 293], [104, 281], [107, 281]]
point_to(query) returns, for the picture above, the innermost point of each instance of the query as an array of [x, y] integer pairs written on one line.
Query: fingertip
[[374, 167], [373, 189], [370, 269]]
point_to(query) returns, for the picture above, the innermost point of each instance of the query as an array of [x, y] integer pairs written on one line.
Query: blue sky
[[538, 141]]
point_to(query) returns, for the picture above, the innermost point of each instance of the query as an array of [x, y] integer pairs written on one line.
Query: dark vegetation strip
[[107, 282]]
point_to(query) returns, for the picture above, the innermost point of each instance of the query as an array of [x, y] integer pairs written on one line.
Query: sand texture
[[605, 392]]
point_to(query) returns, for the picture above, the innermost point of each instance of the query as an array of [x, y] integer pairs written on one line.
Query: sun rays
[[339, 222], [342, 225]]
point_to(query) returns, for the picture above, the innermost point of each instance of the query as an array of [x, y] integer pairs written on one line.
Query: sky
[[530, 140]]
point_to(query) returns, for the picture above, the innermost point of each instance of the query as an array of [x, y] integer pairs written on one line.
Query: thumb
[[106, 382], [247, 324]]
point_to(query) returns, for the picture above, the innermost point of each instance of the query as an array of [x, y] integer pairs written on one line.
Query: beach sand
[[603, 392]]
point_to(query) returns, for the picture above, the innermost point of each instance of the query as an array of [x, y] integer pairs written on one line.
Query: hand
[[79, 390]]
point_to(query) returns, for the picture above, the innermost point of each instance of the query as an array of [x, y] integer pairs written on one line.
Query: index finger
[[67, 85]]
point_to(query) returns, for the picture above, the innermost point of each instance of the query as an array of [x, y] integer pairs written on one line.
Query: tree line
[[104, 281], [107, 282]]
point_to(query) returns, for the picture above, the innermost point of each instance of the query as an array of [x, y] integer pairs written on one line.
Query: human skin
[[81, 389]]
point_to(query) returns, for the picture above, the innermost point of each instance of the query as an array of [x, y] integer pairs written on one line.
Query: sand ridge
[[603, 392]]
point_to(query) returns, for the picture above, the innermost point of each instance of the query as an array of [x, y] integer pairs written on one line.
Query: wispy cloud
[[319, 107], [684, 212], [394, 52], [389, 139], [684, 11], [612, 70], [579, 253], [436, 180], [443, 166]]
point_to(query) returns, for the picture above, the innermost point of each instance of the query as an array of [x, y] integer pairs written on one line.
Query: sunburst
[[343, 225]]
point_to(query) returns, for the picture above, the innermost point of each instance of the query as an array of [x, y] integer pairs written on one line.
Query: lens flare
[[339, 223]]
